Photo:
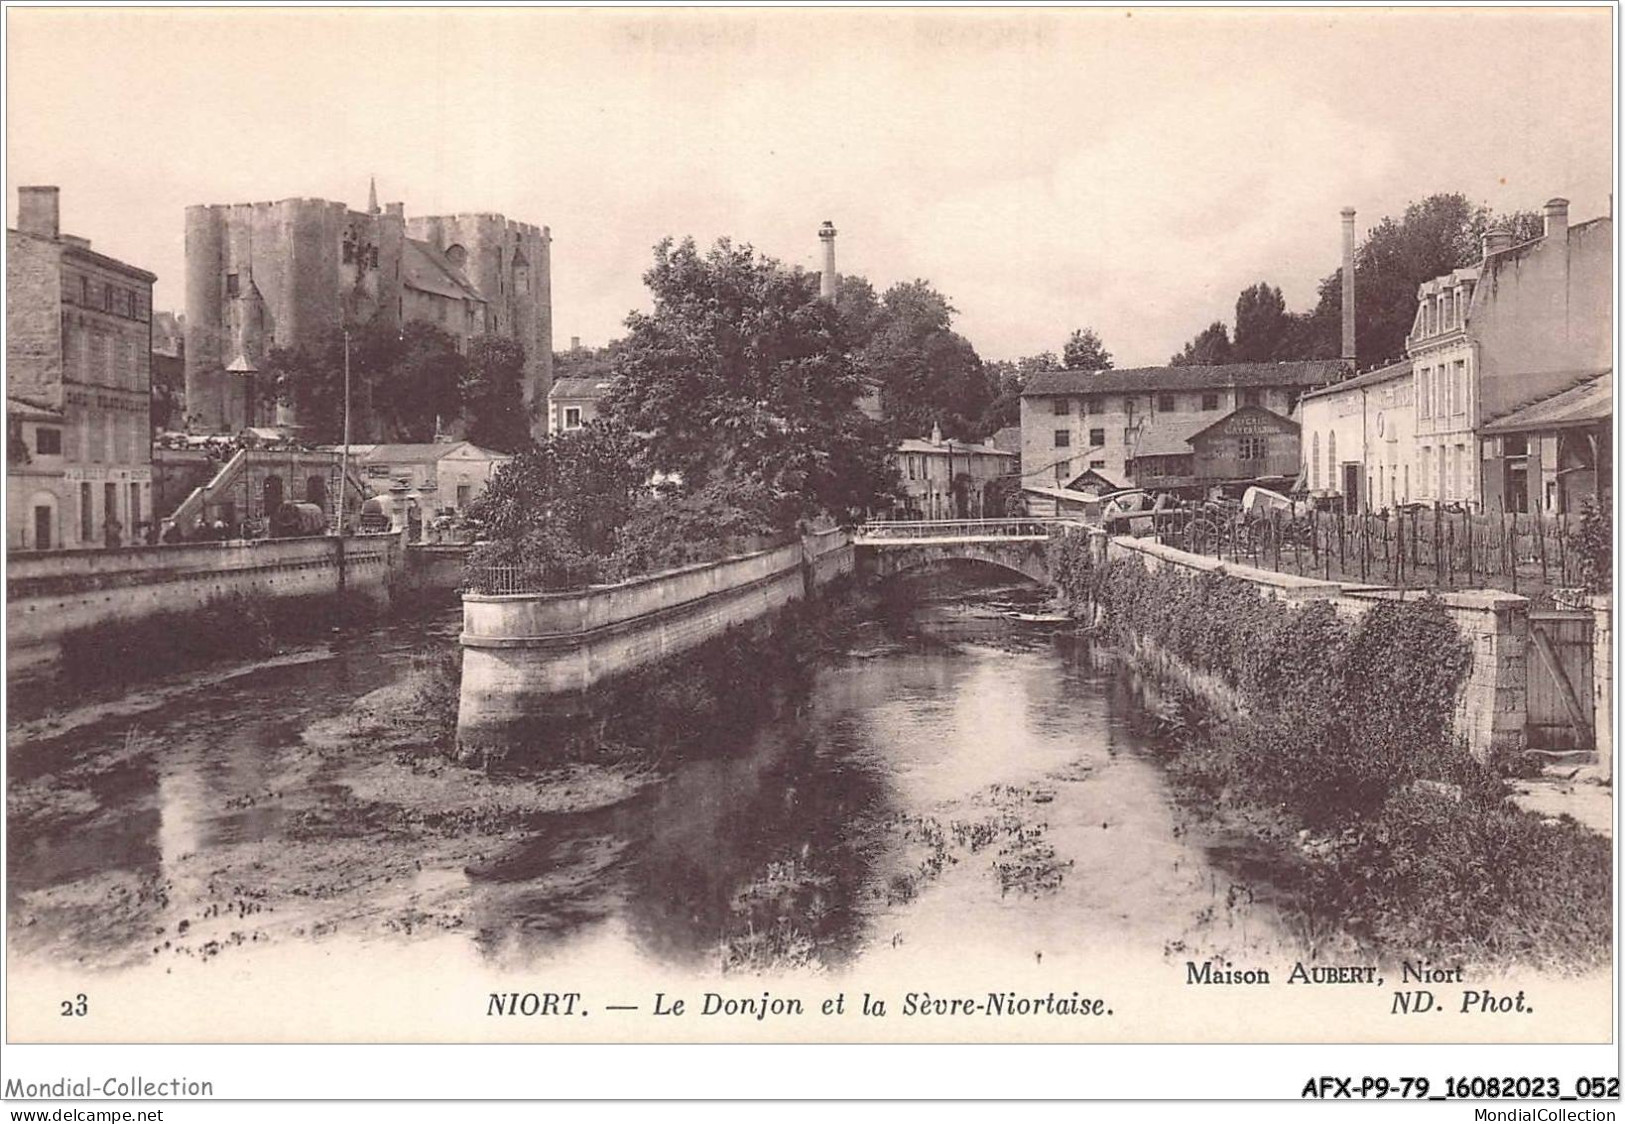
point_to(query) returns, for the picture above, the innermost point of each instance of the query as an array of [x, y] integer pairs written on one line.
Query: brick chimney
[[826, 282], [1348, 285], [39, 211], [1557, 218]]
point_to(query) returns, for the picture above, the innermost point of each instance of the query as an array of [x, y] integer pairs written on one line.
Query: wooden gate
[[1560, 705]]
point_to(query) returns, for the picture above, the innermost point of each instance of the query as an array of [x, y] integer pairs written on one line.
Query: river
[[960, 782]]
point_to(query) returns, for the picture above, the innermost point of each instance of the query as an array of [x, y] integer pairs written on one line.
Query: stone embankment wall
[[523, 653], [52, 593], [1493, 706]]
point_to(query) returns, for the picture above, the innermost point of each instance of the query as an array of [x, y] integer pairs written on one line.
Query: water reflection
[[959, 778]]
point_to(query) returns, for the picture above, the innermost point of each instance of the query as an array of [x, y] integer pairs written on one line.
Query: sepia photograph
[[810, 525]]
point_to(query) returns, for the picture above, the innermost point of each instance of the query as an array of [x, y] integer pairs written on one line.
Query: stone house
[[1527, 322], [1358, 440], [1097, 422], [78, 367], [947, 479], [573, 402]]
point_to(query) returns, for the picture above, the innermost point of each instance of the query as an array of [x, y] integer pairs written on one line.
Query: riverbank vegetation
[[732, 418], [236, 626], [1338, 735]]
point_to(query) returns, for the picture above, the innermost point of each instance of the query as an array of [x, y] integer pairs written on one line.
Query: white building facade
[[1359, 440]]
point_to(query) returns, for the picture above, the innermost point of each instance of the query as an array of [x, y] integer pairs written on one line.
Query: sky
[[1125, 169]]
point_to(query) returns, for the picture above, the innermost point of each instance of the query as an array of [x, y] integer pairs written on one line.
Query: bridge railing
[[1017, 528]]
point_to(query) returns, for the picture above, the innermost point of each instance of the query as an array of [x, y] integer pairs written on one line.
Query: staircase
[[193, 505]]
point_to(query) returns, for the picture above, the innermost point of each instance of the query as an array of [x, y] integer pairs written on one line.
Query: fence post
[[1467, 525], [1540, 541], [1399, 532], [1438, 542], [1512, 546], [1342, 553]]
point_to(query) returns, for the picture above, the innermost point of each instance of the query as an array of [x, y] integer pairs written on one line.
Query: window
[[572, 417], [1097, 464], [107, 298], [1063, 439], [84, 291], [1331, 459], [48, 441], [1097, 438], [1252, 398], [1424, 395], [1458, 377], [87, 515], [135, 507], [1061, 406], [1512, 445], [231, 284], [1252, 447], [1165, 403], [1314, 463], [1210, 401], [465, 495]]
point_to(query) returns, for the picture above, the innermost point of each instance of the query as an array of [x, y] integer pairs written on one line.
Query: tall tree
[[494, 395], [1008, 379], [1084, 351], [1211, 346], [740, 371], [555, 509], [1261, 324], [928, 374], [422, 386], [1434, 236], [310, 379]]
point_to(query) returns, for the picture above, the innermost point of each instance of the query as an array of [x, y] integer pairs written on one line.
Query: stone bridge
[[1018, 545]]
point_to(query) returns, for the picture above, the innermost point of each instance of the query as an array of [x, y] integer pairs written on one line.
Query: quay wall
[[52, 593], [525, 655], [1492, 708]]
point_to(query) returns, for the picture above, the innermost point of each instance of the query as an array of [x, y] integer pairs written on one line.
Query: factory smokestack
[[826, 283], [1348, 286]]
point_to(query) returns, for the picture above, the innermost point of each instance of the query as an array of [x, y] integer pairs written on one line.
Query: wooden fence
[[1526, 554]]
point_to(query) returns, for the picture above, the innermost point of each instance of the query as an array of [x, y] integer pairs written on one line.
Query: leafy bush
[[1340, 714], [1596, 545], [1488, 882], [663, 532]]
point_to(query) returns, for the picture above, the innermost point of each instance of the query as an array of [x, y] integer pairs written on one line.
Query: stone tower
[[264, 275], [510, 263]]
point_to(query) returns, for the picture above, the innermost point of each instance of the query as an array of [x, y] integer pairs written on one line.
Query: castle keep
[[265, 275]]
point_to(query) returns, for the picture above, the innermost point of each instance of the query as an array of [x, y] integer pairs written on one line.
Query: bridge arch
[[1027, 559]]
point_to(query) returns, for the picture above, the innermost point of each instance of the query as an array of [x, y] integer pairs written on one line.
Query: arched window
[[1331, 460], [457, 256], [521, 274], [316, 491], [272, 495], [1314, 464]]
